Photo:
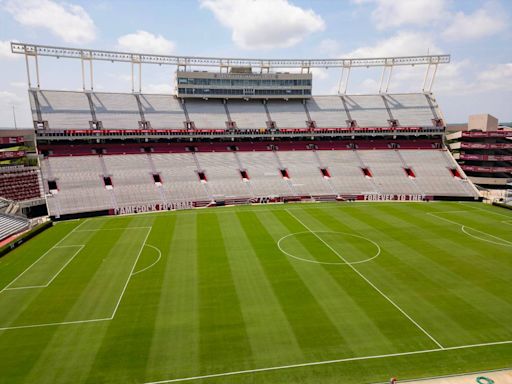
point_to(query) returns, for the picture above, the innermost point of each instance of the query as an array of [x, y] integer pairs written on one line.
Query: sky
[[477, 34]]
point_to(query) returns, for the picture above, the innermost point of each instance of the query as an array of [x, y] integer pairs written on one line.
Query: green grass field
[[305, 293]]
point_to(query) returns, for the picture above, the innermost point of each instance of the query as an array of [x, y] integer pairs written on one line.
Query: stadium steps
[[106, 173], [288, 182], [322, 166], [468, 186], [405, 165], [242, 168], [155, 171], [364, 165], [205, 185], [51, 199]]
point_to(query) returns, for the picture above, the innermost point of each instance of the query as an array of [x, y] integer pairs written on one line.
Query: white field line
[[508, 222], [80, 247], [463, 229], [89, 320], [156, 261], [325, 262], [44, 254], [486, 210], [325, 362], [50, 324], [131, 273], [369, 282], [111, 229], [473, 229]]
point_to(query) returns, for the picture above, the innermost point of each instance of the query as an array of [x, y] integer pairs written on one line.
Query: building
[[484, 151]]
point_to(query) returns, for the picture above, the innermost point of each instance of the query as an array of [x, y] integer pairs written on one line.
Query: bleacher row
[[81, 185], [75, 110], [20, 184], [10, 225]]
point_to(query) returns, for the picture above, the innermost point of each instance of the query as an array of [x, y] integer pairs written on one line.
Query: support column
[[28, 70], [37, 71], [387, 70], [343, 84]]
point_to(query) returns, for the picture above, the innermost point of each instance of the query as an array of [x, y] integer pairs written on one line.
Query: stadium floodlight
[[264, 65]]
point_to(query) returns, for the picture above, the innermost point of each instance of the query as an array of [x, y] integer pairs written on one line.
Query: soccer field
[[304, 293]]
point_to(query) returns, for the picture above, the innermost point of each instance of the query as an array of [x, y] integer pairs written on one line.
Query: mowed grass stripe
[[463, 251], [489, 311], [316, 334], [224, 342], [374, 303], [175, 341], [121, 355], [152, 338], [17, 261], [415, 278], [71, 350], [40, 307], [398, 276], [269, 331], [459, 247], [367, 329]]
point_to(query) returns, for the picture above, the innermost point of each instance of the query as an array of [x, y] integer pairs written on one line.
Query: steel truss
[[87, 56]]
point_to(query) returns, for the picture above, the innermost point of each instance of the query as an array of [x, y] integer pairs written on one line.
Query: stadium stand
[[247, 115], [10, 225], [327, 111], [163, 111], [65, 110], [367, 110], [210, 114], [287, 114], [81, 186], [105, 151], [71, 110], [20, 183], [116, 110]]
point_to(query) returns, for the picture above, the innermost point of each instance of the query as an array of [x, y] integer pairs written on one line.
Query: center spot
[[329, 247]]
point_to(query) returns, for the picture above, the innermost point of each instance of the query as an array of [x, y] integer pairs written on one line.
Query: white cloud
[[404, 43], [5, 50], [329, 47], [19, 84], [474, 26], [145, 42], [70, 22], [486, 21], [395, 13], [498, 76], [9, 98], [265, 24]]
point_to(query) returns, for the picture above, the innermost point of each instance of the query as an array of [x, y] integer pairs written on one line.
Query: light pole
[[14, 117]]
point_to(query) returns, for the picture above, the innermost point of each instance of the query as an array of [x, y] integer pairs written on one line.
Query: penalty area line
[[156, 261], [325, 362]]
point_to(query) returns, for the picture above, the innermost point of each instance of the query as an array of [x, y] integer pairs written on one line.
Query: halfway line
[[368, 281]]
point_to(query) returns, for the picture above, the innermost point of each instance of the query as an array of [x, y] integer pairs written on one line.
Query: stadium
[[243, 229]]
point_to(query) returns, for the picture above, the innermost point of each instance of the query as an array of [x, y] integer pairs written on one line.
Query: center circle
[[347, 248]]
